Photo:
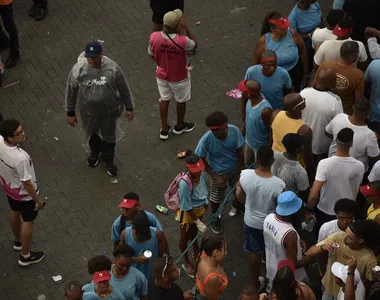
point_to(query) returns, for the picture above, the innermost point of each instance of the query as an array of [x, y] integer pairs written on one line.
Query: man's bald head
[[291, 102], [326, 79], [253, 86], [73, 290], [269, 54]]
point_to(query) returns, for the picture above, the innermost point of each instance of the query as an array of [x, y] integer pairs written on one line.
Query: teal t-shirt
[[90, 288], [132, 286]]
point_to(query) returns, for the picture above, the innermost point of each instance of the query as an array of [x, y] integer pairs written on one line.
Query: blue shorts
[[253, 240]]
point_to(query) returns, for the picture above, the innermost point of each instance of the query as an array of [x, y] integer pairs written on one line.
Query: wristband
[[351, 273]]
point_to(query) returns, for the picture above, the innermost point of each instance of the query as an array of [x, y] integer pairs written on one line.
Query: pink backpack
[[171, 195]]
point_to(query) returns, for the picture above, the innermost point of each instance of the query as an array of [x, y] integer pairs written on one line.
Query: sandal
[[189, 271]]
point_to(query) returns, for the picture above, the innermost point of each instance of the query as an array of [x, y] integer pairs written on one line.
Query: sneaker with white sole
[[187, 127], [34, 257], [164, 135], [232, 212], [17, 246], [216, 226]]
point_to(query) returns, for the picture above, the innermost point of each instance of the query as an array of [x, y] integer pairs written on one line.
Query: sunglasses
[[167, 260], [300, 104]]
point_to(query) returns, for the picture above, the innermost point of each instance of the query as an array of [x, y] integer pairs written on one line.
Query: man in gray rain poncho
[[99, 85]]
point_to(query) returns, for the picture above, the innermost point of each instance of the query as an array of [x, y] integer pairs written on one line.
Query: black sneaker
[[17, 246], [33, 10], [93, 159], [186, 128], [12, 61], [164, 135], [216, 227], [40, 14], [34, 258], [112, 170]]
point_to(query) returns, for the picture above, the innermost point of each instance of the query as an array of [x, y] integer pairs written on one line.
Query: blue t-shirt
[[115, 234], [305, 21], [256, 131], [271, 87], [132, 286], [338, 4], [286, 50], [90, 296], [372, 75], [195, 198], [90, 288], [221, 155]]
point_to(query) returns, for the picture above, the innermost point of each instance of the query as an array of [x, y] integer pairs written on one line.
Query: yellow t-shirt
[[366, 260], [372, 213]]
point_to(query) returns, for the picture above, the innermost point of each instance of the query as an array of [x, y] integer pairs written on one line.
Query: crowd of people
[[307, 152]]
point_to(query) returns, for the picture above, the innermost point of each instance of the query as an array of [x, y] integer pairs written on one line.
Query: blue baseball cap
[[288, 203], [93, 50]]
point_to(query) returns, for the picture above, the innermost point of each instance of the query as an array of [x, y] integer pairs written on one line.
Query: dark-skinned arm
[[163, 246], [240, 193], [302, 52], [291, 246], [212, 288], [274, 114], [260, 48], [308, 157], [314, 193], [190, 35], [240, 157], [244, 100], [208, 168], [304, 195]]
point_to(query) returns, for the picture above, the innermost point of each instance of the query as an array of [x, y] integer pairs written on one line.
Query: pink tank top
[[170, 59]]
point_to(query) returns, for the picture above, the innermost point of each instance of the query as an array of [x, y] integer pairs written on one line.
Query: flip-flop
[[189, 273], [162, 209]]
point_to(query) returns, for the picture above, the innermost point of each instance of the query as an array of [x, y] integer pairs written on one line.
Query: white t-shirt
[[373, 48], [321, 108], [16, 166], [320, 35], [330, 51], [328, 229], [342, 177], [364, 144], [359, 292], [375, 172], [261, 197]]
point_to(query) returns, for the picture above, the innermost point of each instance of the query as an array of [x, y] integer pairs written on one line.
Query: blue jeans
[[253, 240]]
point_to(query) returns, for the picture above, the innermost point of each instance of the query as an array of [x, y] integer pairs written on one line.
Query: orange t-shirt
[[349, 81], [5, 2]]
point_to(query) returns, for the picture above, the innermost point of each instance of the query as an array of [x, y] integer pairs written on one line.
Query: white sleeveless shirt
[[275, 232]]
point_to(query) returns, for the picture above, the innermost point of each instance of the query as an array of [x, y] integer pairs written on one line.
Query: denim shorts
[[253, 240]]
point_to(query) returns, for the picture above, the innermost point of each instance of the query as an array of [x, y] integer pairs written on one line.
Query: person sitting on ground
[[289, 121], [99, 267], [193, 201], [130, 206], [337, 177], [350, 80], [364, 146], [348, 278], [259, 202], [372, 35], [324, 34], [285, 286], [256, 114], [345, 210], [210, 278], [371, 192], [162, 286], [222, 151], [248, 292], [288, 46], [274, 80], [141, 237], [127, 279], [330, 50], [358, 240]]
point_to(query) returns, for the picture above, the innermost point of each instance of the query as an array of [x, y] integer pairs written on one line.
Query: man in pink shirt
[[169, 48]]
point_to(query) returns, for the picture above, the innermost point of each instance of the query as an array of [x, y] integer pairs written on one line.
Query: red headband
[[242, 86], [216, 127]]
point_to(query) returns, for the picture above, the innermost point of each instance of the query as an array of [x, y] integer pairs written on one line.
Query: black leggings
[[6, 12]]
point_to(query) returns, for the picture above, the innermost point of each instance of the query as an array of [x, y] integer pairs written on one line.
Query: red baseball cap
[[282, 23], [286, 263], [339, 31], [367, 191], [101, 276], [128, 203], [197, 167], [242, 86]]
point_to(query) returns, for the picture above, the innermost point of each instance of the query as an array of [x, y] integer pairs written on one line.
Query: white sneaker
[[232, 212]]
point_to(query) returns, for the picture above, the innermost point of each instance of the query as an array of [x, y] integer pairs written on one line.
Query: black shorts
[[161, 7], [26, 208]]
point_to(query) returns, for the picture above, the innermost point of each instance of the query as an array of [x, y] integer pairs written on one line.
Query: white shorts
[[181, 91]]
